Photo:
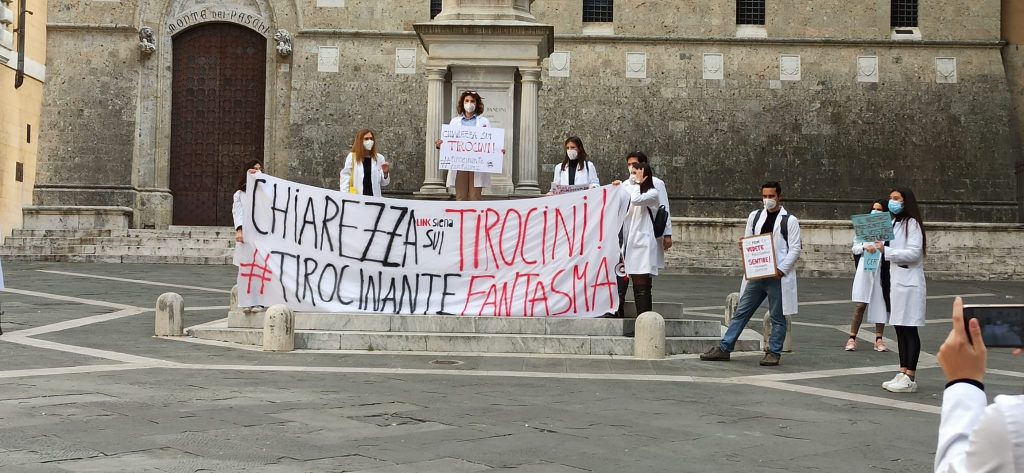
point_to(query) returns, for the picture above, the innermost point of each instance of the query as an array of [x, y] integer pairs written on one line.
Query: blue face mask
[[876, 211], [895, 207]]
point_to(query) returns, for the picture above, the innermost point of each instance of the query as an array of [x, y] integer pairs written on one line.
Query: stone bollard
[[787, 343], [233, 305], [731, 302], [279, 329], [649, 340], [170, 315]]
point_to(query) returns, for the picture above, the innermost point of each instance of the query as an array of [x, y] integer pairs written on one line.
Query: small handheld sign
[[758, 257]]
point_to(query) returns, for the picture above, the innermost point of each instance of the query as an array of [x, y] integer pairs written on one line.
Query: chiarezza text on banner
[[316, 249]]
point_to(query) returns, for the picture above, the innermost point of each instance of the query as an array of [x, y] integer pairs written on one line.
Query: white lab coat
[[907, 287], [867, 288], [377, 178], [480, 179], [785, 255], [236, 209], [640, 248], [663, 200], [975, 438], [586, 176]]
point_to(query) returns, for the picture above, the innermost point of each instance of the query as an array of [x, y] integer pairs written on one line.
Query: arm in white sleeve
[[795, 247], [962, 407], [592, 175], [236, 209], [384, 179], [858, 248], [911, 254], [644, 199], [346, 173]]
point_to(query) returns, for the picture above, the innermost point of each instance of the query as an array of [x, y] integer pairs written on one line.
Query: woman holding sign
[[237, 216], [905, 254], [575, 169], [639, 246], [870, 290], [468, 185], [365, 171]]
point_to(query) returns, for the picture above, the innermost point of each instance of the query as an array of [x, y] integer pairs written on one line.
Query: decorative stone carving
[[328, 59], [789, 67], [284, 42], [405, 60], [636, 65], [945, 70], [147, 44], [867, 69], [558, 64], [714, 66]]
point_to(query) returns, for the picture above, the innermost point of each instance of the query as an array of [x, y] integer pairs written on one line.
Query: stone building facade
[[825, 96], [22, 48]]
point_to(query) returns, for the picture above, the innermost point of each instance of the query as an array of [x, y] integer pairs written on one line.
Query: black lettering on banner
[[430, 290], [274, 210], [252, 207], [411, 240], [342, 243], [280, 272], [330, 213], [394, 233], [374, 231], [333, 286], [445, 293], [341, 277], [308, 218], [307, 288]]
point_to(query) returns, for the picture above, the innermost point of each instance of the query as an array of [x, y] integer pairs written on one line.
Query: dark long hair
[[245, 173], [883, 202], [581, 158], [911, 211], [648, 183]]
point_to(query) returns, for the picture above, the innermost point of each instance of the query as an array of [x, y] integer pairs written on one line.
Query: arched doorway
[[217, 118]]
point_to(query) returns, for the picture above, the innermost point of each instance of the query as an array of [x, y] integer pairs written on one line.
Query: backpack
[[783, 226], [660, 221]]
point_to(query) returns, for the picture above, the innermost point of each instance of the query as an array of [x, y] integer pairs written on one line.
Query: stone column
[[432, 182], [529, 119]]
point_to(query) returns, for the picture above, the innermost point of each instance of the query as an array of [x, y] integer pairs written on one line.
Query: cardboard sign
[[871, 261], [872, 227], [559, 189], [316, 249], [469, 148], [759, 257]]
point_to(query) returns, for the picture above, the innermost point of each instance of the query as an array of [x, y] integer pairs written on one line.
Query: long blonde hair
[[358, 152]]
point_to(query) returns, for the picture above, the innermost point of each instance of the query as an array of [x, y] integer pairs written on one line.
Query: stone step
[[465, 342], [64, 233], [479, 325], [668, 310]]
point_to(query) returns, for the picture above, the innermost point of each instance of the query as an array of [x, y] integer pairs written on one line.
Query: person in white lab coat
[[907, 290], [973, 437], [665, 241], [779, 290], [639, 246], [468, 185], [365, 171], [870, 291], [236, 200], [576, 168]]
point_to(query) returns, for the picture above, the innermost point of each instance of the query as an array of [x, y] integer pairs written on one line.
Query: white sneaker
[[899, 376], [904, 385]]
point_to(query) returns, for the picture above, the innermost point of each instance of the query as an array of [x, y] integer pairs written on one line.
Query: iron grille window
[[904, 14], [435, 8], [750, 12], [597, 11]]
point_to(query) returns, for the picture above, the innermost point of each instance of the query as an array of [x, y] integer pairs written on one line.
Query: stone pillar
[[170, 315], [529, 118], [279, 329], [787, 343], [649, 341], [432, 182]]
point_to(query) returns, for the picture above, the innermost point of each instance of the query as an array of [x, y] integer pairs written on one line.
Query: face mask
[[876, 211], [469, 107], [572, 154], [895, 207], [368, 144], [770, 204]]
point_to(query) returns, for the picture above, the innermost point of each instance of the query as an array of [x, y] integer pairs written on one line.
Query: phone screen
[[1002, 325]]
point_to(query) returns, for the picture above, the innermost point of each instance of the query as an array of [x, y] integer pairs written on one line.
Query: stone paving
[[85, 387]]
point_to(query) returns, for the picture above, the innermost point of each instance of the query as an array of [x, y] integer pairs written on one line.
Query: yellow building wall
[[20, 109]]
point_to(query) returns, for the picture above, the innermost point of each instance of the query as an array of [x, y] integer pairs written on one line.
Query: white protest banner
[[559, 189], [315, 249], [758, 256], [872, 227], [467, 148]]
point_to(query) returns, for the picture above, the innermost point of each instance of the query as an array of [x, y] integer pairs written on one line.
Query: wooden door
[[217, 118]]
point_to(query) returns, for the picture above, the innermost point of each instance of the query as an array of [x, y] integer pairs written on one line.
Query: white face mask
[[572, 154], [876, 211], [469, 107], [770, 204], [368, 144]]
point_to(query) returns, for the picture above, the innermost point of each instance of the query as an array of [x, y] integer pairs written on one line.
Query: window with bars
[[435, 8], [749, 12], [597, 11], [903, 14]]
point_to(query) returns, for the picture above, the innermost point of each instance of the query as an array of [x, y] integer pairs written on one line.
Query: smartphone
[[1002, 325]]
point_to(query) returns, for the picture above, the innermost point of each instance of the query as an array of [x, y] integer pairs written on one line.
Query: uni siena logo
[[435, 222]]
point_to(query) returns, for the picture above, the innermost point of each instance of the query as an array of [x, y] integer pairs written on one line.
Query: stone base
[[58, 217]]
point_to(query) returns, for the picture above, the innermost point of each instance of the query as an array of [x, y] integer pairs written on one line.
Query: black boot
[[623, 286], [642, 298]]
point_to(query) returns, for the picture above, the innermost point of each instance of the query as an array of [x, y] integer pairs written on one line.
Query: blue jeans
[[751, 299]]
